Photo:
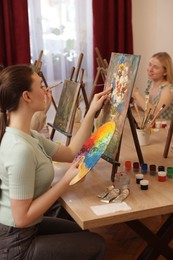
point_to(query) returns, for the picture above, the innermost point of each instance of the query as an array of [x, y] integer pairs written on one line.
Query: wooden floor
[[122, 243]]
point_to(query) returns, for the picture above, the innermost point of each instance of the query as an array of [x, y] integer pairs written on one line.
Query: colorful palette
[[93, 149]]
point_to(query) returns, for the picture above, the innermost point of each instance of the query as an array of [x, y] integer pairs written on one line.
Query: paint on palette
[[93, 149]]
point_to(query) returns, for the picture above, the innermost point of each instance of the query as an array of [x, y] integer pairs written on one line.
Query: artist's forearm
[[25, 212], [83, 133]]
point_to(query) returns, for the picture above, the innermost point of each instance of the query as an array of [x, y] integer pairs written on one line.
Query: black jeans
[[52, 239]]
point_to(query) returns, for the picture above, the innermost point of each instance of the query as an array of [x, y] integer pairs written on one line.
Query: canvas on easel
[[66, 106], [121, 76], [69, 101]]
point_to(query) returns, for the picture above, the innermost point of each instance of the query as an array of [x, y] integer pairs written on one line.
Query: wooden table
[[157, 200]]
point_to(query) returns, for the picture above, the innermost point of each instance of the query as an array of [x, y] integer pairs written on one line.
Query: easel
[[168, 139], [136, 142], [101, 72], [75, 73], [37, 66], [115, 163]]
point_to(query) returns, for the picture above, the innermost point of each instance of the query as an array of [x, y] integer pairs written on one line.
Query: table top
[[79, 198]]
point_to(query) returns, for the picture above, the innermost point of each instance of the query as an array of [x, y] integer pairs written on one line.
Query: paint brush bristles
[[156, 115], [56, 85]]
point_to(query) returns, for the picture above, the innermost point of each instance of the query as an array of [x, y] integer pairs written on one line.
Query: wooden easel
[[168, 140], [115, 162], [75, 73], [101, 72], [37, 66]]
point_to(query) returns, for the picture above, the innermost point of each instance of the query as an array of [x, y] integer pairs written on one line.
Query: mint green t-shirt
[[26, 169]]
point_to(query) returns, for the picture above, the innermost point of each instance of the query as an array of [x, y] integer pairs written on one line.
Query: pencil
[[56, 84]]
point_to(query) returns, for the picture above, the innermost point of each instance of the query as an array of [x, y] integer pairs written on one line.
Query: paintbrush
[[145, 108], [155, 107], [154, 118], [137, 110], [147, 120], [55, 85], [146, 101]]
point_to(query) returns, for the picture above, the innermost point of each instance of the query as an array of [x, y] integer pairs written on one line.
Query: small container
[[143, 136], [139, 177], [161, 176], [170, 172], [128, 165], [158, 124], [122, 180], [136, 166], [144, 168], [164, 124], [152, 169], [144, 184], [161, 168]]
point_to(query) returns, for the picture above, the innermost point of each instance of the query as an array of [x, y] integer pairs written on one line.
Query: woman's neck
[[158, 83], [21, 122]]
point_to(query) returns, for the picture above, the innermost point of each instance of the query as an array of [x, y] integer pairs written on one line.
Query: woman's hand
[[73, 170], [100, 100], [48, 94]]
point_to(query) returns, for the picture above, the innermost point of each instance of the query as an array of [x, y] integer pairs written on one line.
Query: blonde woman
[[160, 86]]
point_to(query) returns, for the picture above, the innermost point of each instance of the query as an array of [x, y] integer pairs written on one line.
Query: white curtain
[[63, 30]]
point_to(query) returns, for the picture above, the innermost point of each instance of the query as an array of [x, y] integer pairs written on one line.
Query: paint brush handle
[[147, 120], [146, 101], [152, 121], [55, 85], [137, 110]]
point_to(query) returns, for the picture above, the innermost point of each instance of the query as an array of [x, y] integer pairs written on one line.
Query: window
[[62, 29]]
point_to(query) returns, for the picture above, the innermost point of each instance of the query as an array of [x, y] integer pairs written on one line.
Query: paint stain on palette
[[93, 149]]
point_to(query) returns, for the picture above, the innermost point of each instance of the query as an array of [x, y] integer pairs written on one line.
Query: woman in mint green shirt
[[26, 174]]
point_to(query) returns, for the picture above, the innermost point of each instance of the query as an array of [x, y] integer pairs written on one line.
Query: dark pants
[[53, 238]]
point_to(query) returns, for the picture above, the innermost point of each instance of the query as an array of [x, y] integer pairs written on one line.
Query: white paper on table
[[110, 208]]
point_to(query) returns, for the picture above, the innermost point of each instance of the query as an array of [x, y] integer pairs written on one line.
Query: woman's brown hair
[[14, 80]]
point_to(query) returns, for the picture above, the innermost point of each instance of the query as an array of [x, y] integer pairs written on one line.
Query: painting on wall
[[121, 76], [66, 106]]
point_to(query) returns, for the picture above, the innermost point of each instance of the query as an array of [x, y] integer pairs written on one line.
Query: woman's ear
[[26, 96]]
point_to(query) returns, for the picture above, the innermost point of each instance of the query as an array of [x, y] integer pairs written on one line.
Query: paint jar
[[162, 176], [161, 168], [152, 169], [122, 180], [139, 177], [136, 166], [164, 124], [170, 172], [144, 184], [143, 136], [144, 168], [158, 124], [127, 165]]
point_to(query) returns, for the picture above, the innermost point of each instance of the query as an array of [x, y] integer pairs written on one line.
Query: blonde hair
[[166, 62]]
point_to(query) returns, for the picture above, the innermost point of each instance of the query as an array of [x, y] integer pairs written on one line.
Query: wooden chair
[[168, 140]]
